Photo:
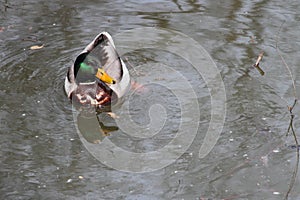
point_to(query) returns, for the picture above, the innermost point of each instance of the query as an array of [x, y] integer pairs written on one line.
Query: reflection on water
[[92, 128], [43, 157]]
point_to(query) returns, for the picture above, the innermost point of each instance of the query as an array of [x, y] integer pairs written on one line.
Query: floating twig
[[256, 65], [285, 64], [292, 116], [295, 172]]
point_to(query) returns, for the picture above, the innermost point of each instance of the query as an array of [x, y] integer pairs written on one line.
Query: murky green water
[[42, 156]]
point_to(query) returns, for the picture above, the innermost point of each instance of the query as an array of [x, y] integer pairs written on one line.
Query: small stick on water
[[260, 56], [290, 109], [285, 64], [256, 65], [295, 172]]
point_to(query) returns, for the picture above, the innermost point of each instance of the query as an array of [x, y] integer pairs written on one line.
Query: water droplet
[[69, 180], [276, 150]]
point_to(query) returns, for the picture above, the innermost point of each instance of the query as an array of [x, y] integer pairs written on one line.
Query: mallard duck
[[98, 75]]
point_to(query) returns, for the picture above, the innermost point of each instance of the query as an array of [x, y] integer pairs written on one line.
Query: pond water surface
[[42, 156]]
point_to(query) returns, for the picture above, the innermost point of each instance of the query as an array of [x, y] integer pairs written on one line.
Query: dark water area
[[43, 157]]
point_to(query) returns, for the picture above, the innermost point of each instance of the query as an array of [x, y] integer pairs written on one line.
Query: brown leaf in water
[[35, 47]]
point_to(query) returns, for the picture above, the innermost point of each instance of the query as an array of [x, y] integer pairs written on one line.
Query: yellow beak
[[103, 76]]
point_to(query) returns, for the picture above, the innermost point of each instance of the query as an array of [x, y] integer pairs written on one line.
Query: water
[[42, 157]]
